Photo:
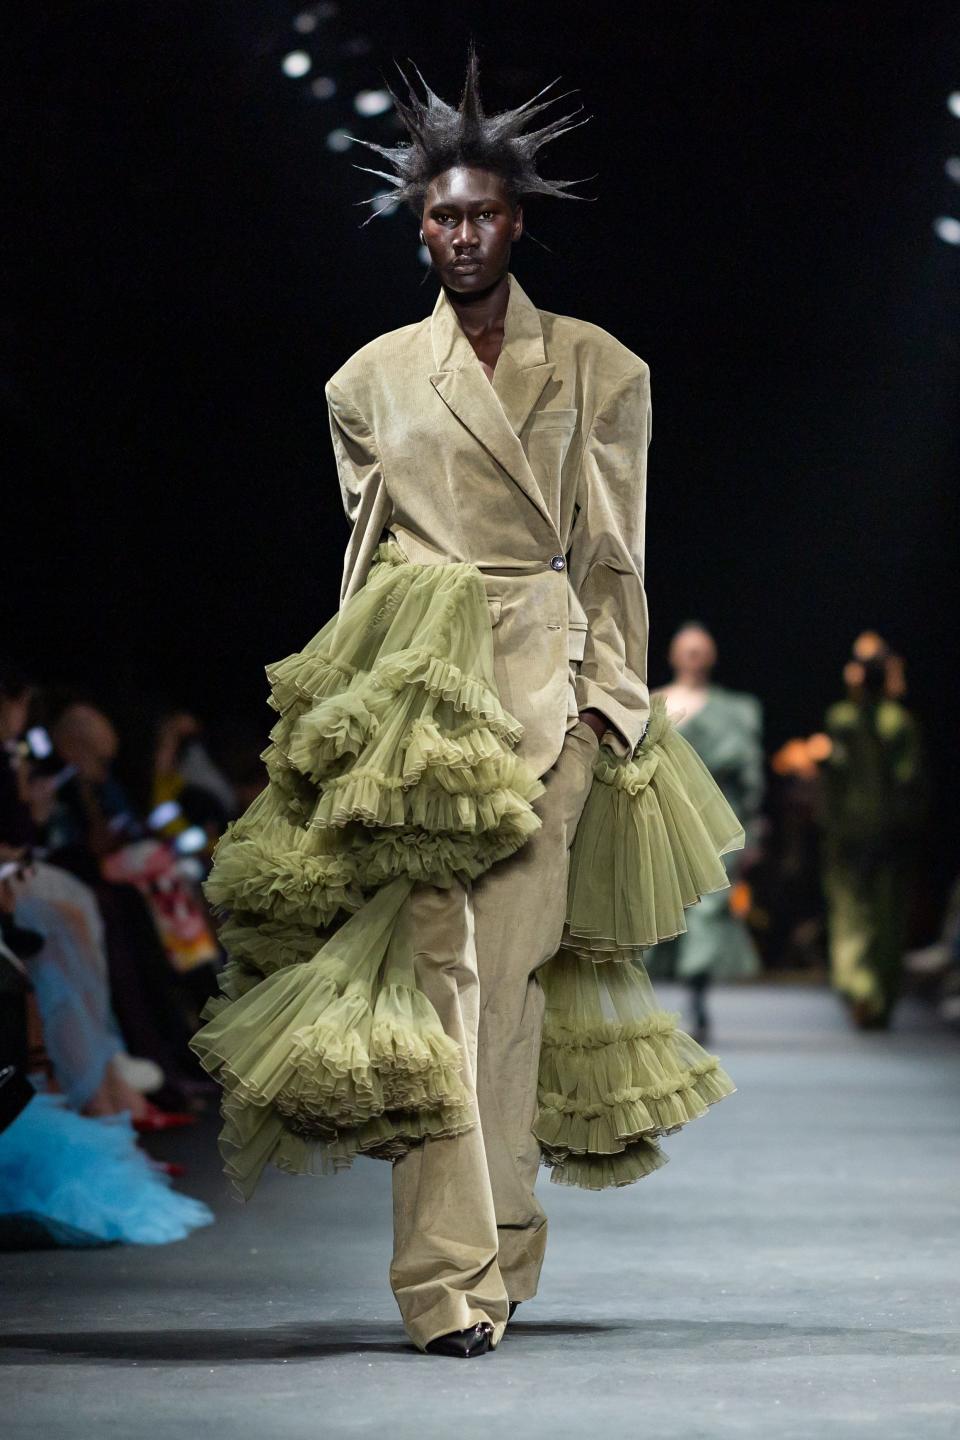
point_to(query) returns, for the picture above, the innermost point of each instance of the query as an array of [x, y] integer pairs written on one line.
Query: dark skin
[[469, 226]]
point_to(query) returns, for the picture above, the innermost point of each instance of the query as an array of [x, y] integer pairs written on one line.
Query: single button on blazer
[[538, 479]]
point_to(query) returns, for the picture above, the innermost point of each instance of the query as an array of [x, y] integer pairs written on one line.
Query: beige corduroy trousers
[[469, 1233]]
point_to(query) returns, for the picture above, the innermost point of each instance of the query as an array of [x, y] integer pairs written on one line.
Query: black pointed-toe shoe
[[513, 1308], [464, 1344]]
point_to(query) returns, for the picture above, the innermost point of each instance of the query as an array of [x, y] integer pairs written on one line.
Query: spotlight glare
[[952, 168], [305, 23], [339, 140], [296, 64], [384, 202], [947, 228], [189, 841], [953, 103], [423, 255], [164, 814], [372, 102], [323, 87], [39, 741]]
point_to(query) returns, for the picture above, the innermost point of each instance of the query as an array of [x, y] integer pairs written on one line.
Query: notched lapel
[[519, 388], [471, 397], [495, 413]]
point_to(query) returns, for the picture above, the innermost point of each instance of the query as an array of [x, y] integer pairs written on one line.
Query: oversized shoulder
[[592, 350], [598, 358], [890, 718], [395, 349]]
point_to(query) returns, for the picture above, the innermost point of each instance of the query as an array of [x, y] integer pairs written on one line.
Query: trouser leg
[[851, 927], [468, 1230], [699, 987], [519, 909], [444, 1271], [889, 908], [77, 903]]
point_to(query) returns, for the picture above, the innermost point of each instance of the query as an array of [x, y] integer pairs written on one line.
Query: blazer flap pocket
[[554, 420], [577, 638]]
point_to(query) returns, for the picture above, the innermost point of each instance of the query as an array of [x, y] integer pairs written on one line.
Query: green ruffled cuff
[[648, 844]]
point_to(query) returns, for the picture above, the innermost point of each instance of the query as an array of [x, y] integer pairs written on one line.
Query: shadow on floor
[[209, 1346], [326, 1340], [237, 1347]]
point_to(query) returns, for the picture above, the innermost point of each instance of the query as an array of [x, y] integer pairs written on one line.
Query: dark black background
[[188, 268]]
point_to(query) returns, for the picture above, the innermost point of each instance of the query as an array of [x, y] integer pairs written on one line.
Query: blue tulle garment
[[79, 1030], [88, 1176]]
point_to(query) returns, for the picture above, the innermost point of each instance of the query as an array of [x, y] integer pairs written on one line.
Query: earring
[[421, 237]]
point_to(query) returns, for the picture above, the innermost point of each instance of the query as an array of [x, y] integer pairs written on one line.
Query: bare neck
[[484, 311], [482, 318]]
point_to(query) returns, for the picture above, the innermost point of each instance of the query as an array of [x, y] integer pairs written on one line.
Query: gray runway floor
[[794, 1272]]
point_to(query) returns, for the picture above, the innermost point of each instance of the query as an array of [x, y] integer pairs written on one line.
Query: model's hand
[[570, 781], [598, 723]]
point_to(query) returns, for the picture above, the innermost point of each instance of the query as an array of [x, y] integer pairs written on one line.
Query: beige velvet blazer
[[538, 479]]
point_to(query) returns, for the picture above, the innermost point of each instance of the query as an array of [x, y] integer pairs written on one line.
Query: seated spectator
[[68, 962]]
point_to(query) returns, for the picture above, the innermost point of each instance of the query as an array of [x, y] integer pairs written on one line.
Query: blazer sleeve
[[362, 487], [606, 560]]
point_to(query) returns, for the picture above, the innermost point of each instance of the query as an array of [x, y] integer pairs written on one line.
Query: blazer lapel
[[495, 413]]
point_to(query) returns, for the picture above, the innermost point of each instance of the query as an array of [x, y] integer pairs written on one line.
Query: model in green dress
[[725, 728], [872, 806]]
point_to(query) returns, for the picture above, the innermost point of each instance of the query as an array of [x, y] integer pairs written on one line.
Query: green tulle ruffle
[[615, 1073], [340, 1055], [648, 845], [392, 763]]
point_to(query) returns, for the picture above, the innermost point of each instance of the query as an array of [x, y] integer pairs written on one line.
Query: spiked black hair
[[442, 137]]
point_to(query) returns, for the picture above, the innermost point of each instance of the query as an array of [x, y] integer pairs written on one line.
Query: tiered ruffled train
[[391, 763], [616, 1072]]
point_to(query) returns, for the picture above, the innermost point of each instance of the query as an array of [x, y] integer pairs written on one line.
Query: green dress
[[873, 802], [727, 735]]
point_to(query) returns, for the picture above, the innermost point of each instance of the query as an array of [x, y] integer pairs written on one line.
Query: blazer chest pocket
[[548, 441]]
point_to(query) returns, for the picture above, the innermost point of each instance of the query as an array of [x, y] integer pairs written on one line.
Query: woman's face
[[469, 225], [692, 655]]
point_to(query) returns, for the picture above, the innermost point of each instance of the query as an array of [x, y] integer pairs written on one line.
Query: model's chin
[[466, 279], [471, 281]]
